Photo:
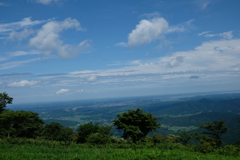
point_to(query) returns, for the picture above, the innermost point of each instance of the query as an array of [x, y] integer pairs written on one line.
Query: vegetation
[[136, 124], [215, 129], [93, 133], [4, 100], [20, 124], [24, 136]]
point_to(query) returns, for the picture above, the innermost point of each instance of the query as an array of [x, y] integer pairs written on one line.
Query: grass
[[24, 151]]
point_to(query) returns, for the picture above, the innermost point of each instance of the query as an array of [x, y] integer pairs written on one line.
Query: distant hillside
[[194, 107], [198, 119]]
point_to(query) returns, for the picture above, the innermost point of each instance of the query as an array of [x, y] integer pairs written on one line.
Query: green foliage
[[215, 129], [136, 124], [185, 137], [98, 138], [20, 124], [171, 138], [4, 100], [158, 138], [56, 132], [85, 130], [37, 149]]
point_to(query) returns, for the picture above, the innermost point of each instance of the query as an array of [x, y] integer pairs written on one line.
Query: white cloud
[[26, 22], [147, 31], [3, 59], [68, 51], [20, 35], [23, 83], [18, 63], [47, 39], [3, 4], [47, 1], [212, 56], [121, 44], [226, 35], [22, 53], [203, 33], [202, 4], [62, 91], [81, 90], [91, 79], [175, 62]]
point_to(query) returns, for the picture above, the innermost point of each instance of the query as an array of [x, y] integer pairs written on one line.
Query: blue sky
[[52, 50]]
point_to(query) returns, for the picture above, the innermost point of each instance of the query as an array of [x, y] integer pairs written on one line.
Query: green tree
[[4, 100], [215, 130], [66, 135], [20, 124], [136, 124], [85, 130], [52, 131]]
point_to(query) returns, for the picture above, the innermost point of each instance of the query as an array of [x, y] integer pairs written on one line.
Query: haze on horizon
[[55, 50]]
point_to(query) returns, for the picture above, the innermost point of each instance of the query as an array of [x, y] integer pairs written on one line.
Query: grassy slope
[[29, 152]]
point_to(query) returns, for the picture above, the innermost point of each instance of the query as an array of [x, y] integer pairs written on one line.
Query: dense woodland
[[137, 130]]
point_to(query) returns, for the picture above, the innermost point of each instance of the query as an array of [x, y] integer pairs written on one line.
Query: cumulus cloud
[[23, 83], [147, 31], [62, 91], [225, 35], [150, 30], [47, 39]]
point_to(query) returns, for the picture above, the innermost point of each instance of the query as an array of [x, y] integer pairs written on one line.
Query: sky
[[63, 50]]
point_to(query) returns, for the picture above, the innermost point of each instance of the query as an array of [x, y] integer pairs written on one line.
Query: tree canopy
[[4, 100], [215, 129], [20, 124], [93, 133], [136, 124]]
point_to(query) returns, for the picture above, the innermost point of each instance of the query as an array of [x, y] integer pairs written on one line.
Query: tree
[[52, 131], [88, 129], [56, 132], [4, 100], [136, 124], [215, 130], [20, 124]]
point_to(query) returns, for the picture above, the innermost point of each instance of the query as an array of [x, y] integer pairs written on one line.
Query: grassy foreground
[[10, 151]]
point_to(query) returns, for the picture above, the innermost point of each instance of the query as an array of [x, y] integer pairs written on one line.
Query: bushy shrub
[[229, 150], [97, 138], [117, 140]]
